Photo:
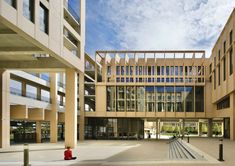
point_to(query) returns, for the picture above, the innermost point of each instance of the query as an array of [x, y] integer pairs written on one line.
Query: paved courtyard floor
[[119, 152]]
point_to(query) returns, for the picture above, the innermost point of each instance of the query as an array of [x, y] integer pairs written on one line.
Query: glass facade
[[155, 98], [154, 73], [189, 99], [114, 128]]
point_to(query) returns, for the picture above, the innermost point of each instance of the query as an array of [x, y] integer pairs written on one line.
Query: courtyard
[[120, 152]]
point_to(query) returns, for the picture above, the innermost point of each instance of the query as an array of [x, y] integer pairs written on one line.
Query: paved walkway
[[123, 153]]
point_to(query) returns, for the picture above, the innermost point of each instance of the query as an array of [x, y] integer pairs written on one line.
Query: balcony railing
[[16, 91], [71, 10], [19, 92]]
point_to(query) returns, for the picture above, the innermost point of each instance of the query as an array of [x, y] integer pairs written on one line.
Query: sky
[[155, 24]]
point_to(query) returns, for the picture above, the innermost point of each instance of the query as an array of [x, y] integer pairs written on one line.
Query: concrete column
[[71, 108], [4, 109], [157, 129], [38, 132], [53, 112], [232, 128], [199, 128], [182, 125], [23, 88], [81, 107], [209, 128]]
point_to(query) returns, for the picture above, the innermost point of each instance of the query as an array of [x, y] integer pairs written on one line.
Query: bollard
[[26, 155], [221, 149], [188, 139]]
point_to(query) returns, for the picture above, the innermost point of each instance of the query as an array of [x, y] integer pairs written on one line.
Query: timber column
[[81, 107], [4, 109], [53, 112], [71, 108]]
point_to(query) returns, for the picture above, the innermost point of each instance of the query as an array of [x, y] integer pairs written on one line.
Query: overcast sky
[[155, 24]]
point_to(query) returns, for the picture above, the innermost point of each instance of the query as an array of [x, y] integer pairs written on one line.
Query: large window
[[130, 98], [176, 70], [28, 9], [231, 37], [127, 70], [158, 70], [199, 99], [181, 70], [167, 70], [224, 47], [162, 71], [160, 98], [122, 70], [44, 19], [170, 98], [231, 61], [117, 70], [179, 99], [111, 96], [31, 91], [140, 99], [45, 95], [11, 2], [150, 97], [225, 103], [16, 87], [189, 96], [120, 98], [131, 70], [224, 65]]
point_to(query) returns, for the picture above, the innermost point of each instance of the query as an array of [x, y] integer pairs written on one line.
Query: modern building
[[51, 90], [41, 36]]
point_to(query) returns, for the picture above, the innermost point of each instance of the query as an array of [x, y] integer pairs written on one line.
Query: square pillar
[[4, 109], [209, 128], [53, 111], [71, 108], [199, 128], [81, 107], [38, 132]]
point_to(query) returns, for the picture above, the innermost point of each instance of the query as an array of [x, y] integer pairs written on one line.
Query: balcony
[[71, 11], [71, 43], [18, 92], [71, 17]]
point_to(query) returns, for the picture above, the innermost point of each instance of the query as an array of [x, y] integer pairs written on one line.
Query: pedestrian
[[68, 154]]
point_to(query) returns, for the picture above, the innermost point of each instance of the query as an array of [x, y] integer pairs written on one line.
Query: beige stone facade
[[48, 83]]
